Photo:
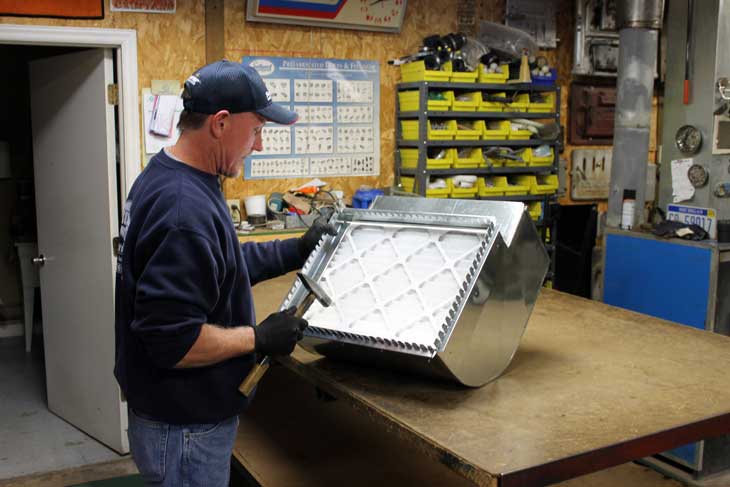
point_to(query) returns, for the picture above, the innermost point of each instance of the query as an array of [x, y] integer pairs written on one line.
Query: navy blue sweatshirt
[[180, 266]]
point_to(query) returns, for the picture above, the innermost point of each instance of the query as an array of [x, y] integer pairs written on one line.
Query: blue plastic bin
[[364, 198], [546, 80]]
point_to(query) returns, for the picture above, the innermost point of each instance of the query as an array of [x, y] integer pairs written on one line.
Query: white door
[[76, 201]]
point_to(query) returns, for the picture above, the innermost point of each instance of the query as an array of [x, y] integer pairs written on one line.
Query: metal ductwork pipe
[[638, 21]]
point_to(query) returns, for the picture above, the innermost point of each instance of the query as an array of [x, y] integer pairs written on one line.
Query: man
[[185, 334]]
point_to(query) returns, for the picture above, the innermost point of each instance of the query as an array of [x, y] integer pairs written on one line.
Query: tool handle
[[304, 305], [254, 376], [686, 92], [260, 368]]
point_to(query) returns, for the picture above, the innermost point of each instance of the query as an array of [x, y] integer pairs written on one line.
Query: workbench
[[590, 387]]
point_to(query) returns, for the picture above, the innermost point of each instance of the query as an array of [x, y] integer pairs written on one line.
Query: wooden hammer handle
[[258, 370]]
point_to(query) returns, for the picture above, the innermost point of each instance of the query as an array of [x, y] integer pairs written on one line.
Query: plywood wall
[[254, 38], [169, 46], [423, 18]]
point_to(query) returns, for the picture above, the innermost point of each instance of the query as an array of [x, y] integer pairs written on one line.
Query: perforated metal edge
[[324, 251]]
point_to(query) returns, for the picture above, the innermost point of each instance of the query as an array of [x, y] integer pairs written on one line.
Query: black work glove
[[278, 333], [309, 240]]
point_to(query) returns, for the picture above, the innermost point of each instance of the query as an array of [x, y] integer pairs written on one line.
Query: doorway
[[32, 438]]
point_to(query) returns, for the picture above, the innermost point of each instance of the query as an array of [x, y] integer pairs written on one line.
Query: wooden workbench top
[[587, 378]]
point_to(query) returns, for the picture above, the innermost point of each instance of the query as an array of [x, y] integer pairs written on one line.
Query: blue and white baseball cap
[[225, 85]]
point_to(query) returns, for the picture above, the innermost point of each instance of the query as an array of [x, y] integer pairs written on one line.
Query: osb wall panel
[[422, 18], [169, 46], [256, 38]]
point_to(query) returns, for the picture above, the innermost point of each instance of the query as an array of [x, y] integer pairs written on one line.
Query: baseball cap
[[225, 85]]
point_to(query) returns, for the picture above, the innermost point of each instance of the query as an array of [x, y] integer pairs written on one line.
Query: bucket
[[255, 205]]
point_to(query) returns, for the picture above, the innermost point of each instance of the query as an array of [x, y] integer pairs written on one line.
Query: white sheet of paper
[[154, 143], [163, 115], [682, 189]]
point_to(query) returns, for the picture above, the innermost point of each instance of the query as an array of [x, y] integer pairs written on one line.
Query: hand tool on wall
[[688, 48], [314, 292]]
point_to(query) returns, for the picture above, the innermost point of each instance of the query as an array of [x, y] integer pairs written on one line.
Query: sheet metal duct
[[638, 21], [437, 287]]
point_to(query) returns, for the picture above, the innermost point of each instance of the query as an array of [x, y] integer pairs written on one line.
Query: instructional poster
[[337, 134]]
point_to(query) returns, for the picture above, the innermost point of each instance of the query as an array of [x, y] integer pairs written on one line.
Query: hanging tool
[[314, 291], [688, 49]]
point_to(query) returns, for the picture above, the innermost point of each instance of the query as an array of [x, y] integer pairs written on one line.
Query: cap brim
[[278, 114]]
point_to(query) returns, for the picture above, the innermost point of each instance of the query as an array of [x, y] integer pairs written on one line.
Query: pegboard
[[337, 133]]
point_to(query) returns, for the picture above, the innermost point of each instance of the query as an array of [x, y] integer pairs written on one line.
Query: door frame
[[124, 41]]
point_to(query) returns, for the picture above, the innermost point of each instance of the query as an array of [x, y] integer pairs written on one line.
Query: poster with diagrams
[[337, 134]]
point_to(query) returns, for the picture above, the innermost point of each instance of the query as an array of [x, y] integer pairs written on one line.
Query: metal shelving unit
[[547, 225]]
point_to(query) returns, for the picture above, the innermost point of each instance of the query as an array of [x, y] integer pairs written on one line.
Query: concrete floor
[[32, 439], [39, 449]]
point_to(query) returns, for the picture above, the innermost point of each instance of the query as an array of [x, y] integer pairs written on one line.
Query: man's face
[[241, 137]]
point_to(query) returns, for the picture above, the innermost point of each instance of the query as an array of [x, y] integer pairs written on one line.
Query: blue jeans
[[189, 455]]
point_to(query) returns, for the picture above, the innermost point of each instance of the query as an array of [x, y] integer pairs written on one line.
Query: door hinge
[[116, 246], [112, 94]]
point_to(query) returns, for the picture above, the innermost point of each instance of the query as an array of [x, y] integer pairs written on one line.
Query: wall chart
[[337, 134]]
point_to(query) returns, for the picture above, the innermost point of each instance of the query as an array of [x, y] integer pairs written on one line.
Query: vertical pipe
[[638, 40], [637, 63]]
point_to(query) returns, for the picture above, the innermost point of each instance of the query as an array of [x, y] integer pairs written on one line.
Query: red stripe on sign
[[299, 12]]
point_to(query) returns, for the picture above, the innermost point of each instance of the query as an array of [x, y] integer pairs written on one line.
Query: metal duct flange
[[641, 14]]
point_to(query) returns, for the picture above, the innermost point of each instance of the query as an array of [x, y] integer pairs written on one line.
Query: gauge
[[697, 175], [688, 139]]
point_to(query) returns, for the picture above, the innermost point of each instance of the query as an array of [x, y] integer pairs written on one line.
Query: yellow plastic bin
[[491, 186], [473, 158], [496, 130], [410, 101], [520, 103], [409, 159], [535, 210], [518, 134], [491, 106], [493, 161], [545, 184], [416, 71], [533, 160], [539, 183], [466, 102], [408, 184], [493, 78], [545, 106], [463, 192], [468, 130], [523, 153], [516, 187], [461, 77], [409, 129]]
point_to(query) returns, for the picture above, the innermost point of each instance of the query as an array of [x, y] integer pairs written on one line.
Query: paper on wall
[[153, 142], [165, 87], [163, 114], [682, 189]]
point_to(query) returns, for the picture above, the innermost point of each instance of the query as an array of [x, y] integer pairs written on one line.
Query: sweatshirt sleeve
[[175, 292], [266, 260]]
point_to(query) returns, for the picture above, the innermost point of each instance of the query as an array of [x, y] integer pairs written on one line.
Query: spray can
[[627, 209]]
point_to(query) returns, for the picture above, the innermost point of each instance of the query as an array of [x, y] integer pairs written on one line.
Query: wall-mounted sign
[[66, 9], [338, 131], [377, 15]]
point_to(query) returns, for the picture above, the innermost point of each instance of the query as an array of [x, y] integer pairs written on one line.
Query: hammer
[[314, 291]]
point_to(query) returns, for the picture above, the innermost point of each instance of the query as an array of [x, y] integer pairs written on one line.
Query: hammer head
[[315, 289]]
